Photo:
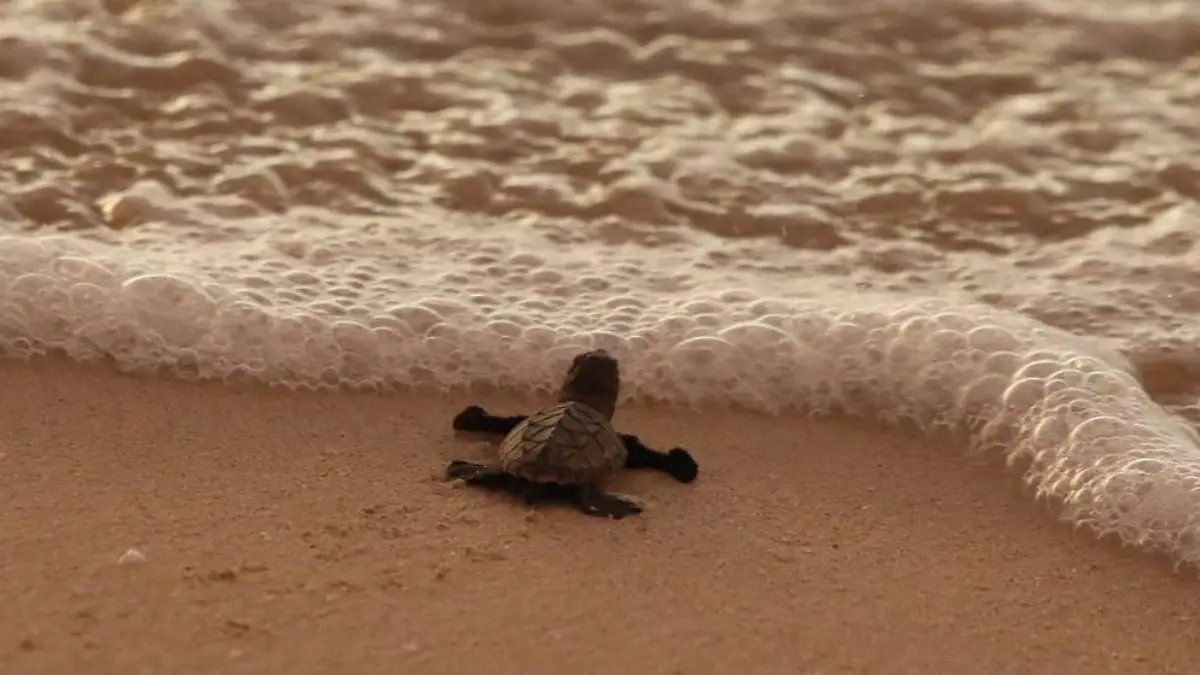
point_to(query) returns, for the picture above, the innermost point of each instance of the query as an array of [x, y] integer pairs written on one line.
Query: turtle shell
[[568, 443]]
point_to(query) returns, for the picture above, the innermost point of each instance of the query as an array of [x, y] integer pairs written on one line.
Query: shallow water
[[967, 214]]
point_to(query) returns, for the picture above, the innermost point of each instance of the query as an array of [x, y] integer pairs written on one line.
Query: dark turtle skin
[[567, 451]]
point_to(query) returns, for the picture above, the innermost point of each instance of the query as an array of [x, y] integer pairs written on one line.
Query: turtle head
[[595, 379]]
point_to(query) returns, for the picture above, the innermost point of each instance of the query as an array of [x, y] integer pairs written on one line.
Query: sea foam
[[1067, 409]]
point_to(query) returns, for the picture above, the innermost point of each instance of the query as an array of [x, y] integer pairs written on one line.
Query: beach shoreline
[[308, 532]]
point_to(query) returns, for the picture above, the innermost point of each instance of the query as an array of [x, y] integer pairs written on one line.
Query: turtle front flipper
[[596, 502], [476, 419], [677, 463]]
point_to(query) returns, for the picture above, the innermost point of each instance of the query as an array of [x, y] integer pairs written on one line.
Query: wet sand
[[306, 533]]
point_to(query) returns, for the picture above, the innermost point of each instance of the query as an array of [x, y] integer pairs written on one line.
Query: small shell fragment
[[131, 556]]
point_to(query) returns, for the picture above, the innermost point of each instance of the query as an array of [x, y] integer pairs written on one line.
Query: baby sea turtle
[[567, 451]]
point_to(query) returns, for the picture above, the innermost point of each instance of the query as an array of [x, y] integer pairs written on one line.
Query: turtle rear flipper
[[477, 474], [596, 502], [589, 499], [493, 478]]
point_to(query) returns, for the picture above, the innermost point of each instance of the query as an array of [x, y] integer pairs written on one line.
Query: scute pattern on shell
[[567, 443]]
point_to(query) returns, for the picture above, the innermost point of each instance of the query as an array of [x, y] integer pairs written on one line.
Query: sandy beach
[[306, 533], [973, 214]]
